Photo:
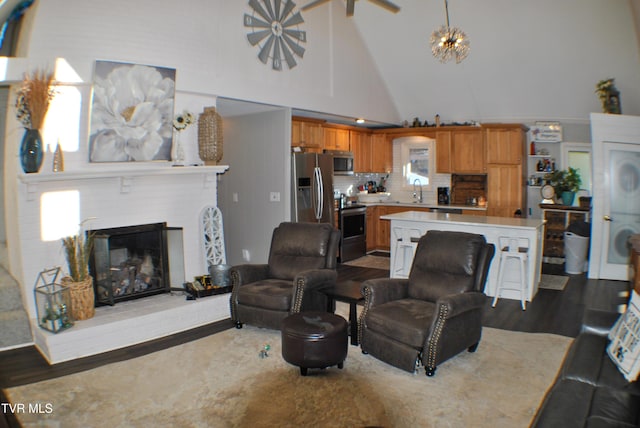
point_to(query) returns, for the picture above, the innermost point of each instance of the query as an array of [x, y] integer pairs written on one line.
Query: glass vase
[[31, 151]]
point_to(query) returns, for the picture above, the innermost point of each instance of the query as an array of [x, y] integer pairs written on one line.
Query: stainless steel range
[[352, 224]]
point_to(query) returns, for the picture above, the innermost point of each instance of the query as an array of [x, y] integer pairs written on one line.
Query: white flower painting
[[132, 113]]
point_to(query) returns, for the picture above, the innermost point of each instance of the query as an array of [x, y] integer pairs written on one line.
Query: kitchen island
[[493, 228]]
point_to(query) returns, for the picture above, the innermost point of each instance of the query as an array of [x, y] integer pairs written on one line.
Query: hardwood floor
[[557, 312]]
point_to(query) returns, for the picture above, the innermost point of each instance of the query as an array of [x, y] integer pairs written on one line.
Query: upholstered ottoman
[[314, 340]]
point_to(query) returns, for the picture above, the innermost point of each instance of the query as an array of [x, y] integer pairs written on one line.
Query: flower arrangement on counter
[[183, 120], [33, 98]]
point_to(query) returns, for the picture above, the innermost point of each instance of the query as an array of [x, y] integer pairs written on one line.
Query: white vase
[[177, 151]]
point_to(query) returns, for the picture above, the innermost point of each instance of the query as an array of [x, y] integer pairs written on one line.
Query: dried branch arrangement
[[34, 95]]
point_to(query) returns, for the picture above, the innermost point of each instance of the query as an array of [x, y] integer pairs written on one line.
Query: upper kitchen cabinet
[[361, 148], [381, 153], [505, 143], [467, 152], [336, 139], [443, 152], [307, 134]]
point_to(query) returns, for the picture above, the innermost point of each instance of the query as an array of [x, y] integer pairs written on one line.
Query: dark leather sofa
[[589, 391]]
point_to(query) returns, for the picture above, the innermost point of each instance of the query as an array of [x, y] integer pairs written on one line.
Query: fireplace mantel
[[125, 175]]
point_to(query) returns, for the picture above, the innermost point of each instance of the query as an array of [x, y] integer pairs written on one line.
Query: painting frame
[[132, 108]]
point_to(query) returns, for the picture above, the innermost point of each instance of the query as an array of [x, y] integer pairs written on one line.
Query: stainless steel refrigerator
[[312, 188]]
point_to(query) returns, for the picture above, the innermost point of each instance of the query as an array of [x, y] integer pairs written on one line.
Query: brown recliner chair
[[434, 314], [302, 260]]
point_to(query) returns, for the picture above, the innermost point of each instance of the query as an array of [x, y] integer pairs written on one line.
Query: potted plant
[[77, 251], [565, 182]]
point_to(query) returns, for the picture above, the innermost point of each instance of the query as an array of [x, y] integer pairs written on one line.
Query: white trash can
[[576, 249]]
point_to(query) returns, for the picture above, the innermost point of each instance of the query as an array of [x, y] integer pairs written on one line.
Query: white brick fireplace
[[116, 197]]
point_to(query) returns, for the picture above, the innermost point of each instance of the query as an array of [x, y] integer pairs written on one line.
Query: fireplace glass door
[[131, 262]]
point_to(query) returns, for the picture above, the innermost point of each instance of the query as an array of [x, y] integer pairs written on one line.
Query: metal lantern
[[53, 301]]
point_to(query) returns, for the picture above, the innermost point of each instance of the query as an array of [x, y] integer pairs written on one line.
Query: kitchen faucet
[[414, 190]]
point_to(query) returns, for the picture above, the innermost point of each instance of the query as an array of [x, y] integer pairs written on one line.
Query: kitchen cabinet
[[336, 139], [361, 147], [506, 174], [505, 146], [505, 190], [467, 152], [381, 153], [459, 151], [308, 135], [383, 228], [443, 152]]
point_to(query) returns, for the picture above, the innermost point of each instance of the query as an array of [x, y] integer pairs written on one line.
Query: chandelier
[[448, 42]]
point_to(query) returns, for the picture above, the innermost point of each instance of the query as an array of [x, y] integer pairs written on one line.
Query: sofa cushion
[[587, 361], [404, 320], [268, 294], [609, 404], [445, 263]]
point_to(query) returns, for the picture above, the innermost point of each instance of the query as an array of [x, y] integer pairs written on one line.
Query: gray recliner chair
[[302, 260], [434, 314]]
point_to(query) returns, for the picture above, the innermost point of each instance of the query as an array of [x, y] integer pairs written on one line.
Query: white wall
[[205, 40], [258, 150]]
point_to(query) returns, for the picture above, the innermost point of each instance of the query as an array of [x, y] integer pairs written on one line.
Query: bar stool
[[406, 242], [513, 248]]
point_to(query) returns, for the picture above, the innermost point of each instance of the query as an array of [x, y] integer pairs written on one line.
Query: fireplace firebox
[[135, 261]]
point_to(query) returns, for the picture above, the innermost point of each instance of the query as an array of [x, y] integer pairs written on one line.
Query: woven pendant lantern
[[210, 136]]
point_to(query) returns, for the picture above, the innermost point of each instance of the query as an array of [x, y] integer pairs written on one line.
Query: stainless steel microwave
[[342, 162]]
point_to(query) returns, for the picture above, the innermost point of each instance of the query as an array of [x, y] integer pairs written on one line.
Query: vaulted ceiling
[[529, 60]]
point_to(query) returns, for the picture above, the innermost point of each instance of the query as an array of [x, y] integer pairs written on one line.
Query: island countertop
[[499, 222]]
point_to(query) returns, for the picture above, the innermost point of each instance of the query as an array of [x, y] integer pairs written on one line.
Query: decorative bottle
[[58, 159]]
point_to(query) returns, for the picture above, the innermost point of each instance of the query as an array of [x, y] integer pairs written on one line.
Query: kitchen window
[[417, 157]]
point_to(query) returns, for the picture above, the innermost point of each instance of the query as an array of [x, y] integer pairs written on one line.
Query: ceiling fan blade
[[313, 4], [387, 5], [351, 5]]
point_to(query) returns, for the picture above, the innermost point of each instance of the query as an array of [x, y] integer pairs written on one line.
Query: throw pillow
[[624, 348]]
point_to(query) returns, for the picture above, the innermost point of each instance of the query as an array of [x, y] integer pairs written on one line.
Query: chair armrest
[[315, 278], [456, 304], [382, 290], [246, 274], [310, 280]]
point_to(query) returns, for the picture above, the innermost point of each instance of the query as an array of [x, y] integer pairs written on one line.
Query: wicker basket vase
[[210, 136], [82, 298]]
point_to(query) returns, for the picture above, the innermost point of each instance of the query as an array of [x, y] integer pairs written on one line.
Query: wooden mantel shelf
[[124, 174]]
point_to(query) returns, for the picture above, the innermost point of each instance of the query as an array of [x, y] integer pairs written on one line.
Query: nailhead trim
[[297, 296], [435, 338], [235, 281]]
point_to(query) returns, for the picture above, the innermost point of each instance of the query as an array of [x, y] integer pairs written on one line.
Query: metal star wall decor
[[276, 31]]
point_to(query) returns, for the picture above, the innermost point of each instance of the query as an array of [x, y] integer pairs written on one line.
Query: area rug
[[553, 282], [221, 381], [369, 261]]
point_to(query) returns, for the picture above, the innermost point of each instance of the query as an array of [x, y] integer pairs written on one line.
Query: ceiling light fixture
[[449, 42], [359, 120]]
